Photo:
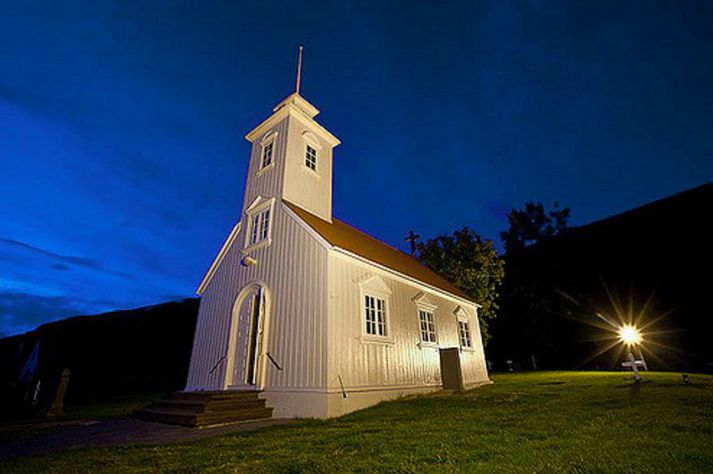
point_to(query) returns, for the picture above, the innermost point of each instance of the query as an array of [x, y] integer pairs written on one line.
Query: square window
[[311, 158]]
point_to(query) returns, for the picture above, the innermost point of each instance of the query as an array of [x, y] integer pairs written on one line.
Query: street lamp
[[631, 337]]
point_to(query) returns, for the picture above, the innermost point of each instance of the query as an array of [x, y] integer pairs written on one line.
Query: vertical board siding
[[401, 363], [302, 186], [293, 269], [314, 321], [268, 183]]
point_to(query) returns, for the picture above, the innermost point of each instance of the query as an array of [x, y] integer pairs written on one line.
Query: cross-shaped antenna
[[411, 239], [299, 70]]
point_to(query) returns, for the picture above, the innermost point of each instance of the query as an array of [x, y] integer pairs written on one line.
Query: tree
[[532, 310], [472, 264], [532, 224]]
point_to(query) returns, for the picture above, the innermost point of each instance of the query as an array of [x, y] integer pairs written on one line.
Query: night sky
[[122, 158]]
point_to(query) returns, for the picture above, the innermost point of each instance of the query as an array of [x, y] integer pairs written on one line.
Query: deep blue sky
[[122, 159]]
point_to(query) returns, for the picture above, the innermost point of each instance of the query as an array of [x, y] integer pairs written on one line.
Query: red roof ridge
[[335, 233]]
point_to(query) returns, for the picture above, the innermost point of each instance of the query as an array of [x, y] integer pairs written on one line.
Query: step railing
[[274, 362], [217, 364]]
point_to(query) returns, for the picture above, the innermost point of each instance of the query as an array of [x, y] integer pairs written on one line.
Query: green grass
[[534, 422]]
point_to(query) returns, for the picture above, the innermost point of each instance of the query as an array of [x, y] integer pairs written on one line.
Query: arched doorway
[[244, 368]]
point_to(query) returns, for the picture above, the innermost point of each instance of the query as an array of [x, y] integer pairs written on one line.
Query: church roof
[[346, 237]]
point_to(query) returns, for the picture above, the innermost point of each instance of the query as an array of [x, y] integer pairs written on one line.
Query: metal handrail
[[217, 364], [274, 362], [341, 384]]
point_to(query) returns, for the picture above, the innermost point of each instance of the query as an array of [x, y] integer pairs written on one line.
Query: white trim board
[[218, 259], [403, 277], [313, 233]]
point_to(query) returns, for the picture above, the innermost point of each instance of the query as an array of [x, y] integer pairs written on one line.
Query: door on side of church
[[451, 374]]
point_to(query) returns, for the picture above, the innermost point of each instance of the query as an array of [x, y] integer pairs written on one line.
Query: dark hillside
[[661, 250], [139, 350]]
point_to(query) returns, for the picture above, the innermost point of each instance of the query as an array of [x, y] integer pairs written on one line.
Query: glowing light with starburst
[[629, 335]]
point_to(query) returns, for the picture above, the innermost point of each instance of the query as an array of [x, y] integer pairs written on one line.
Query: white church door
[[247, 339]]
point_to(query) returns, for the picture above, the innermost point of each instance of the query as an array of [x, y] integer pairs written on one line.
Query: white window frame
[[269, 141], [374, 287], [310, 140], [260, 221], [375, 315], [427, 327], [311, 158], [424, 305], [465, 334], [463, 318]]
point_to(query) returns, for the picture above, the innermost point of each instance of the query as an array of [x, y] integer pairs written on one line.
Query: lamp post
[[631, 337]]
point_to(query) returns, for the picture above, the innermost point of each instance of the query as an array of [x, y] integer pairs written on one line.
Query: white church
[[314, 316]]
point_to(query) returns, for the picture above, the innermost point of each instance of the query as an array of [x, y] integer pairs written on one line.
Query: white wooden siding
[[302, 186], [366, 365], [294, 270], [314, 319], [267, 182]]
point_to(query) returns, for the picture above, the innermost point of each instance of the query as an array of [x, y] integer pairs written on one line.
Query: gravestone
[[57, 406]]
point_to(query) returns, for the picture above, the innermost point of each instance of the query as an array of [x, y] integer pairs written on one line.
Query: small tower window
[[258, 222], [266, 155], [259, 227], [264, 224], [254, 228], [311, 158]]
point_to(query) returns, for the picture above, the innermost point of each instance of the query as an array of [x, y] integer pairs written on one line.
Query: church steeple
[[291, 156]]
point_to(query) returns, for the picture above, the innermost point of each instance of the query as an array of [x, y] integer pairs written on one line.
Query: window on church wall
[[427, 326], [464, 334], [259, 227], [375, 313], [264, 224], [267, 151], [426, 317], [311, 158], [254, 227]]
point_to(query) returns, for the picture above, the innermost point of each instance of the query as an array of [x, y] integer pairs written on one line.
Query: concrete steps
[[198, 409]]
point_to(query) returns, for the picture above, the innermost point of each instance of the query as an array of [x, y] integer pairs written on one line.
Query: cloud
[[62, 262], [79, 261], [20, 312]]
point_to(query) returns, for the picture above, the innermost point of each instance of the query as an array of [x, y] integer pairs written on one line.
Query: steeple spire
[[299, 70]]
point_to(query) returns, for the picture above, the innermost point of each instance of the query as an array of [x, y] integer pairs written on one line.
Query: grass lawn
[[545, 421]]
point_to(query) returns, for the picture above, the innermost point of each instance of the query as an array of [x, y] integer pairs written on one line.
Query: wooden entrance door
[[248, 340], [255, 339], [451, 374]]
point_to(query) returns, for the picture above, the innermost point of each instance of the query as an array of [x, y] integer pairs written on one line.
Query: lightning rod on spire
[[299, 70]]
